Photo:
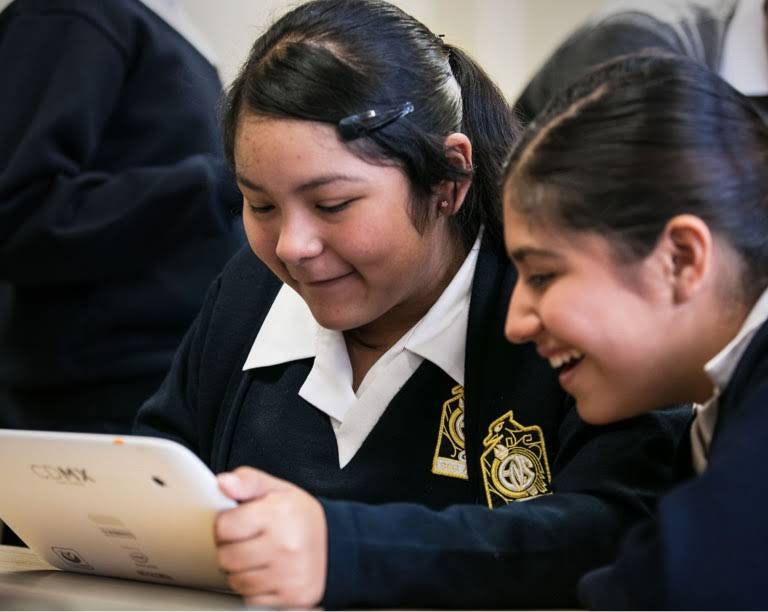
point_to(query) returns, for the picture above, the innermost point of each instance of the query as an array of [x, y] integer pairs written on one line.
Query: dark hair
[[329, 59], [640, 140]]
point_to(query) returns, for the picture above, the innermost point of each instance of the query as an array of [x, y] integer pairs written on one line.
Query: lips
[[325, 281]]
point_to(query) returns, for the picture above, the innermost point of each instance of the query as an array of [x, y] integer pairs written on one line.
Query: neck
[[719, 334], [366, 344]]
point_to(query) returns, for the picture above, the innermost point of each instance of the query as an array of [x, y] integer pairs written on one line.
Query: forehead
[[522, 230], [279, 154], [528, 214], [524, 238], [260, 140]]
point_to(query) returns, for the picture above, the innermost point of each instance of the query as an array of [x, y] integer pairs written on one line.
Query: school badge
[[514, 462], [450, 457]]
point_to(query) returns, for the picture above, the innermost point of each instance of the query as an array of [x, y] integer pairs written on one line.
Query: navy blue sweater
[[114, 194], [707, 547], [400, 534]]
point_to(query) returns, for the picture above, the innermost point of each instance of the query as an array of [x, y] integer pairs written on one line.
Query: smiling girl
[[352, 379], [636, 215]]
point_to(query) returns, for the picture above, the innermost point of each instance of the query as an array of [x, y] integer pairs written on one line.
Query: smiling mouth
[[328, 281], [565, 363], [568, 366]]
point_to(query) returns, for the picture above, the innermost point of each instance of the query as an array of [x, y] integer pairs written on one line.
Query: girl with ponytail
[[642, 248], [348, 375]]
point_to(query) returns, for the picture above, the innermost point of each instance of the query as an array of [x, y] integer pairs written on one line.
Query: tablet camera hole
[[71, 556], [158, 481]]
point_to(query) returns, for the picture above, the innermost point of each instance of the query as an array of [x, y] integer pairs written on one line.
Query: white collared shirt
[[290, 333], [745, 52], [720, 370], [173, 13]]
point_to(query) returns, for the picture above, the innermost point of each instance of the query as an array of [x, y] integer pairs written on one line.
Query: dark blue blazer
[[115, 196], [400, 535], [707, 546]]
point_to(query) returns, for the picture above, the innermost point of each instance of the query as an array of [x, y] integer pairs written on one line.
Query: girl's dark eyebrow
[[309, 185], [246, 183], [520, 255]]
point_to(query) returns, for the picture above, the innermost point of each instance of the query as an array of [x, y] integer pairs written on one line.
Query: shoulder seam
[[95, 25]]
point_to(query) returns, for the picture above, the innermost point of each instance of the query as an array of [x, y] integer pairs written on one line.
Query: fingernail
[[228, 479]]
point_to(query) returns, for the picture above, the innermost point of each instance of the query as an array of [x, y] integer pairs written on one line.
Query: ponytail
[[492, 128]]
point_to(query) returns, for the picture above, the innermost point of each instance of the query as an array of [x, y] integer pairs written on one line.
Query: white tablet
[[130, 506]]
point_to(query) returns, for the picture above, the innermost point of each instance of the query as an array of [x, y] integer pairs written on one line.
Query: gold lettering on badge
[[514, 462], [450, 456]]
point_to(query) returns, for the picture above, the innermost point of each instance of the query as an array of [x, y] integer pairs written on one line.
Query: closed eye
[[336, 208], [260, 209]]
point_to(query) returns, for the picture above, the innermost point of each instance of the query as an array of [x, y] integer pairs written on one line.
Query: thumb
[[247, 483]]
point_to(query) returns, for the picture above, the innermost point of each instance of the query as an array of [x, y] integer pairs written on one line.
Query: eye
[[260, 209], [335, 208], [539, 281]]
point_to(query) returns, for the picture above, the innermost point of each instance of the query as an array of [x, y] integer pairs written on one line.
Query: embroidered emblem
[[514, 462], [450, 457]]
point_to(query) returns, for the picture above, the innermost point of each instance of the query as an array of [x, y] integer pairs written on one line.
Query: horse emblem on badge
[[450, 456], [514, 462]]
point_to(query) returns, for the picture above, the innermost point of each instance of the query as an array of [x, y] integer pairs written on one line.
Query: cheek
[[377, 248], [262, 239], [581, 315], [567, 317]]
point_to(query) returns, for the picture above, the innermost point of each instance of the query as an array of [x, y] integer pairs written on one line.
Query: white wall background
[[509, 38]]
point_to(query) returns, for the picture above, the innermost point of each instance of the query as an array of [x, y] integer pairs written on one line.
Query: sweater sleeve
[[61, 221], [590, 45], [527, 554], [207, 366]]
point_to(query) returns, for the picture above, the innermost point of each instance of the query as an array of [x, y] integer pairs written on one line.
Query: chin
[[605, 412], [336, 320]]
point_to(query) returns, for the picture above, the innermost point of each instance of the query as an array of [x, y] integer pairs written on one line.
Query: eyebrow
[[316, 182], [521, 254]]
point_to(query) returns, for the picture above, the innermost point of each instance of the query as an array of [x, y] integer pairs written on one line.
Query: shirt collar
[[290, 332], [721, 367], [745, 52]]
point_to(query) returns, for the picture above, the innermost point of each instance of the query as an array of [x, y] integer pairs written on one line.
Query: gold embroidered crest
[[514, 462], [450, 457]]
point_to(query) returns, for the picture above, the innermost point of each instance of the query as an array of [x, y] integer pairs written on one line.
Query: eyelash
[[335, 208], [260, 210], [539, 281]]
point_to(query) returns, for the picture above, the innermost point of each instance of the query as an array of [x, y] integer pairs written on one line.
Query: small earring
[[443, 204]]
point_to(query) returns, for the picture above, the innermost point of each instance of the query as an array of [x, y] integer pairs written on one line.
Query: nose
[[299, 239], [523, 323]]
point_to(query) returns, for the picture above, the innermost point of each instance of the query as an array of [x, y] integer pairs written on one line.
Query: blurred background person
[[727, 36], [115, 205]]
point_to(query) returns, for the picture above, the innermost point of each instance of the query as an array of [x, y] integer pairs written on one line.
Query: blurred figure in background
[[115, 205], [727, 36]]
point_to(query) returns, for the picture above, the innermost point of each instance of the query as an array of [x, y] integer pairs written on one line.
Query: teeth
[[558, 361]]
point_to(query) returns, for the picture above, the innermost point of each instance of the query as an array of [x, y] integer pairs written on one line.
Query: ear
[[451, 194], [686, 247]]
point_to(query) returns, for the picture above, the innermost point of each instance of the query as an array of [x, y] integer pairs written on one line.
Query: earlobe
[[687, 241]]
